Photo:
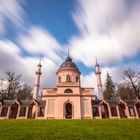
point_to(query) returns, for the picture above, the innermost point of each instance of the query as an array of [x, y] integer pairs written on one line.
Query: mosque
[[68, 100]]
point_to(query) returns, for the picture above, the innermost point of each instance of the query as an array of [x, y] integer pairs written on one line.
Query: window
[[68, 78], [51, 105], [59, 79], [77, 79], [85, 106], [68, 91]]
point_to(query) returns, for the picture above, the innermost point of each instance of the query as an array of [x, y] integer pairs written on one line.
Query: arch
[[137, 101], [16, 102], [68, 91], [68, 78], [104, 109], [3, 109], [34, 102], [68, 110], [122, 108], [104, 102], [14, 110], [30, 110], [138, 107], [30, 115], [122, 102]]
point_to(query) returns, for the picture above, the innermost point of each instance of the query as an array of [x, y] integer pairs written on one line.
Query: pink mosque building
[[68, 100]]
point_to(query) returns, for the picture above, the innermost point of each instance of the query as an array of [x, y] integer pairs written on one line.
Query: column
[[118, 112], [136, 112], [127, 112], [34, 109], [18, 112], [8, 112], [27, 109], [100, 112], [109, 111], [0, 109], [36, 113]]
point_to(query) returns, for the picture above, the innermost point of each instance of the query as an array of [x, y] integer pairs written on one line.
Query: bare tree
[[12, 87], [13, 84], [125, 92], [25, 92], [3, 88], [132, 79]]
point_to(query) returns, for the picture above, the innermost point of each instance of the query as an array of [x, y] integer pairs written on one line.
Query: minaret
[[99, 82], [37, 81]]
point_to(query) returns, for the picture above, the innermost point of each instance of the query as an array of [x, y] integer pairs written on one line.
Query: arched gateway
[[68, 110], [13, 111]]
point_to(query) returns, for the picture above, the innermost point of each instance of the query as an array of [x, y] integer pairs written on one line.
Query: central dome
[[68, 64]]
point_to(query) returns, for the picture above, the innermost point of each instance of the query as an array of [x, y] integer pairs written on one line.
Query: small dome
[[68, 64], [68, 59]]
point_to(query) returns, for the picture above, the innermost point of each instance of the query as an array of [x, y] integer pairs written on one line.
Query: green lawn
[[70, 129]]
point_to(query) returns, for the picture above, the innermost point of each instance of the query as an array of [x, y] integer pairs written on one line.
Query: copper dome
[[68, 64]]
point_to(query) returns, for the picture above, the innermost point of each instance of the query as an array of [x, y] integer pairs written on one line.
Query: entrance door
[[68, 111]]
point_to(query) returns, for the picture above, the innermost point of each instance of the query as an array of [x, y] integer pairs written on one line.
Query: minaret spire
[[37, 80], [96, 61], [40, 60], [68, 53], [99, 81]]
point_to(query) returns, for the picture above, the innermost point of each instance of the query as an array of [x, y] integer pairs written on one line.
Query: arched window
[[68, 91], [59, 79], [68, 78], [77, 79]]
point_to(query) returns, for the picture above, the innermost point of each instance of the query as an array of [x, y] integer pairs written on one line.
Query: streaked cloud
[[11, 60], [109, 31], [13, 12], [38, 41]]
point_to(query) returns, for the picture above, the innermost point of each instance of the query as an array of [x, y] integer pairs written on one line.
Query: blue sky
[[106, 29], [54, 16]]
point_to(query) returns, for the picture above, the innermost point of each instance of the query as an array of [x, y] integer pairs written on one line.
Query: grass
[[69, 129]]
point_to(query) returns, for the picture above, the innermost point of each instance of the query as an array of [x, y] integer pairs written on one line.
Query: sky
[[108, 30]]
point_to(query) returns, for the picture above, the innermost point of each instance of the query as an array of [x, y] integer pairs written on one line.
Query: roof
[[112, 102], [68, 64], [95, 102], [130, 102], [7, 102], [40, 103], [25, 102]]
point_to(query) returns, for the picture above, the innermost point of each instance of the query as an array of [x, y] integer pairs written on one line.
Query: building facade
[[68, 100]]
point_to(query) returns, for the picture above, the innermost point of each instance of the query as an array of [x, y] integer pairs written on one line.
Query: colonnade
[[120, 109]]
